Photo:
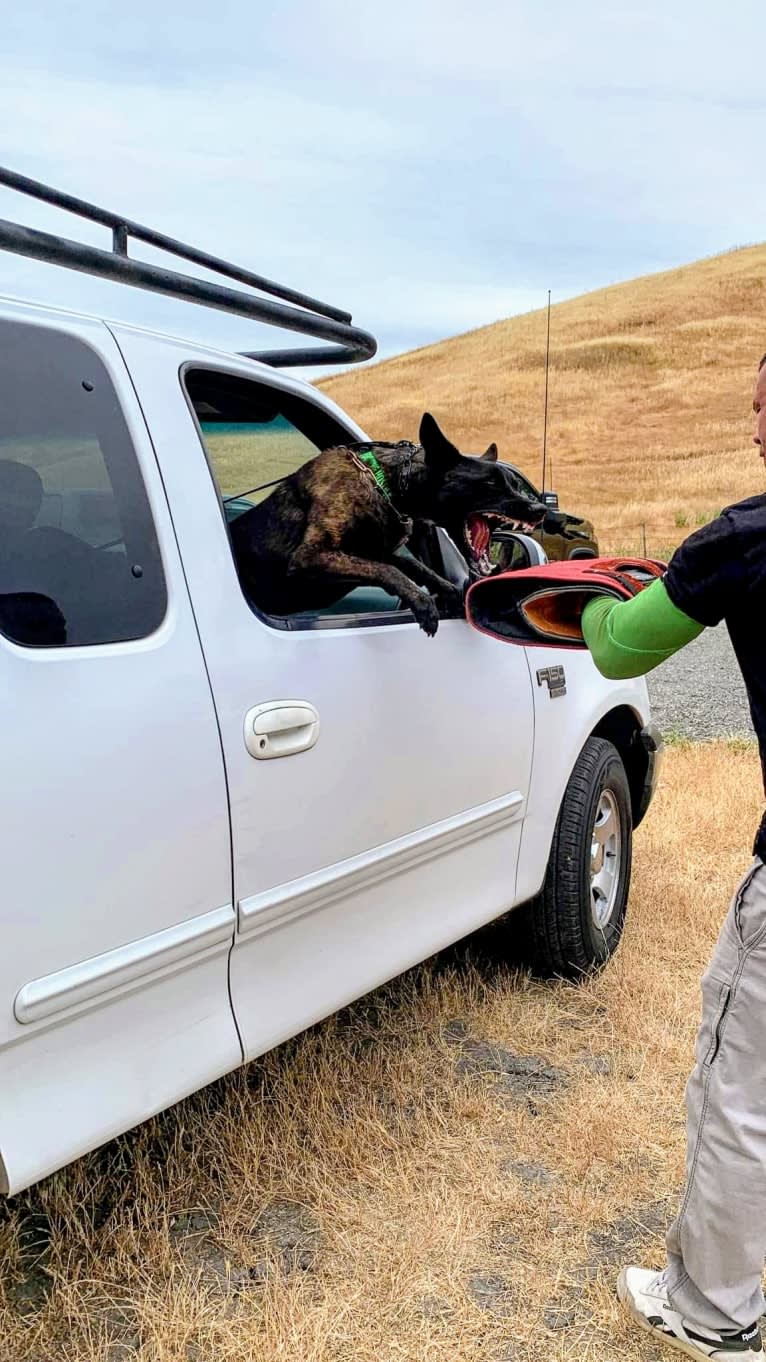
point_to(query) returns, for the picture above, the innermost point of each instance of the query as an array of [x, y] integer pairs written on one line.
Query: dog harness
[[366, 461], [365, 453], [368, 457]]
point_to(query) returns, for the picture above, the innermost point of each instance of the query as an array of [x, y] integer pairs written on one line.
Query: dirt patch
[[522, 1078], [190, 1223], [120, 1352], [558, 1317], [491, 1293], [124, 1338], [624, 1240], [285, 1240], [533, 1173], [290, 1236], [194, 1235], [433, 1308], [30, 1284], [597, 1064]]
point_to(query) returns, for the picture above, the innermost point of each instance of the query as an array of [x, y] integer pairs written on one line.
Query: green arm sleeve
[[629, 638]]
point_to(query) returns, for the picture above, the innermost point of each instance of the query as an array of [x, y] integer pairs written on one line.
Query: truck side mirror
[[550, 499], [510, 551]]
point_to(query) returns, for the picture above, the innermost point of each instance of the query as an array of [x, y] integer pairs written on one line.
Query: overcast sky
[[431, 165]]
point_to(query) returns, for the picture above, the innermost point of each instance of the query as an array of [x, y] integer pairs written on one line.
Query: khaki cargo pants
[[717, 1243]]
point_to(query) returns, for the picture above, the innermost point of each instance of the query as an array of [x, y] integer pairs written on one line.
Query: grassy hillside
[[650, 392]]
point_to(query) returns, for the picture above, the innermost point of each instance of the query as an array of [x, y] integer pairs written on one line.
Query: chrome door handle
[[280, 728]]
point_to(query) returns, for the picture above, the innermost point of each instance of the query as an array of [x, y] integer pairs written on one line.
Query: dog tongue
[[478, 529]]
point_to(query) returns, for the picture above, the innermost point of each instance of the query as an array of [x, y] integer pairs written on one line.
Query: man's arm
[[629, 638]]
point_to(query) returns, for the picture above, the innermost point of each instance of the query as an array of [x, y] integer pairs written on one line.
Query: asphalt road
[[699, 692]]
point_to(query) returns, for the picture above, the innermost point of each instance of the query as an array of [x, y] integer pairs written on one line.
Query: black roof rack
[[305, 315]]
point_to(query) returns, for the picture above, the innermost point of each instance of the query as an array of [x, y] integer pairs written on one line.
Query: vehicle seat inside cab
[[42, 569]]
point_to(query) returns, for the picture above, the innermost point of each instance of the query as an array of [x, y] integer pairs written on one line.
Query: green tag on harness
[[370, 460]]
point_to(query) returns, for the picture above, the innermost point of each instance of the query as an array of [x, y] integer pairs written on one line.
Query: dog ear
[[490, 454], [437, 447]]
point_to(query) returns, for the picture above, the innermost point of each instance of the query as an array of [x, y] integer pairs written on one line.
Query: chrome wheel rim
[[605, 859]]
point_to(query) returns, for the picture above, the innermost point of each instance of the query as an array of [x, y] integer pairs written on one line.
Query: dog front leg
[[348, 568], [423, 575]]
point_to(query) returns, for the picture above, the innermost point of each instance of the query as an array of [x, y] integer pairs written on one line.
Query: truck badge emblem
[[555, 679]]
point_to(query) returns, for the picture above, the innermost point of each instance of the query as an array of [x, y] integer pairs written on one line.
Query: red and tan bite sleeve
[[544, 605]]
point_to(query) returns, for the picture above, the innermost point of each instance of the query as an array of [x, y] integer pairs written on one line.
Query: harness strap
[[367, 467], [368, 457]]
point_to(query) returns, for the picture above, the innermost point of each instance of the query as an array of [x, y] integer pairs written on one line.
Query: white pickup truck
[[219, 827]]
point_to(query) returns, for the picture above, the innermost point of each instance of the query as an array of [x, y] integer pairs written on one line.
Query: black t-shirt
[[719, 573]]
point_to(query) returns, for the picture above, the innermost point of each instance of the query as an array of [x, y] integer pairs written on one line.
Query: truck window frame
[[308, 620]]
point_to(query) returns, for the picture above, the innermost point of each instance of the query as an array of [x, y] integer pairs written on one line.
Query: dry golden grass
[[356, 1199], [241, 459], [650, 392]]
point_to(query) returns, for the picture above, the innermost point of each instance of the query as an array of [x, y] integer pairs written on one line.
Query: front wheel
[[575, 922]]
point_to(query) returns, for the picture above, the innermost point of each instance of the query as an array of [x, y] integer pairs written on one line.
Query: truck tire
[[575, 923]]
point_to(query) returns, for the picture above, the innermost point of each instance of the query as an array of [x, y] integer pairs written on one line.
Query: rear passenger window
[[79, 558]]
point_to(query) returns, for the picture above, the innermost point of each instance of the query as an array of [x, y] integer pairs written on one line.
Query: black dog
[[339, 520]]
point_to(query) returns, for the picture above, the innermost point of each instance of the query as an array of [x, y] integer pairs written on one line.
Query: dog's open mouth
[[478, 532]]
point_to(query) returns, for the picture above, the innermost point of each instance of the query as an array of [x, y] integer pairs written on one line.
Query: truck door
[[116, 912]]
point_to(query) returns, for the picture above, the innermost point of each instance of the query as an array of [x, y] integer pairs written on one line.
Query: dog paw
[[426, 614], [451, 603]]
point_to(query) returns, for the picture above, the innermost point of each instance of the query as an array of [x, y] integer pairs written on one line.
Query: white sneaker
[[645, 1295]]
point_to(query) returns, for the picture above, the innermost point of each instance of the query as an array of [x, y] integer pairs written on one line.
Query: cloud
[[430, 166]]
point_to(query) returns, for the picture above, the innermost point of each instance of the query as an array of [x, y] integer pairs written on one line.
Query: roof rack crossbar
[[308, 316]]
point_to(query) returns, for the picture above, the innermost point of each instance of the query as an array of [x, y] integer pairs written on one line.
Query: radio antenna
[[547, 363]]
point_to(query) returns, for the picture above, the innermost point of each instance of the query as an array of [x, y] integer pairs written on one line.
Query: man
[[707, 1301]]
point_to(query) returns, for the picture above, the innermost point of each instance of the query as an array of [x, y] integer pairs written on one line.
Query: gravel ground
[[699, 692]]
